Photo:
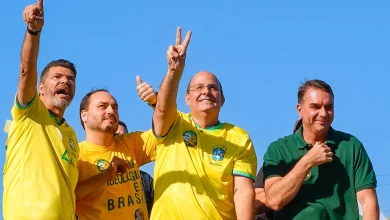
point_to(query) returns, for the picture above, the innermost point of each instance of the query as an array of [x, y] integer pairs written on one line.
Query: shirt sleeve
[[364, 172], [144, 144], [246, 162], [19, 112], [161, 139], [274, 164]]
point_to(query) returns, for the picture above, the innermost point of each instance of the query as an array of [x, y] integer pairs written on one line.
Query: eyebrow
[[316, 104], [107, 103]]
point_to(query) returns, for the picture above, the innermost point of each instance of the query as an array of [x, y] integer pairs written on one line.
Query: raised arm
[[33, 17], [165, 113]]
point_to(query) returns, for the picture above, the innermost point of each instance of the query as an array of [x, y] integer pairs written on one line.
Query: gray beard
[[59, 103]]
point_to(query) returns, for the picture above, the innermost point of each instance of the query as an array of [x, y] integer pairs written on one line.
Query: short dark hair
[[316, 84], [84, 104], [62, 63], [123, 124], [218, 82]]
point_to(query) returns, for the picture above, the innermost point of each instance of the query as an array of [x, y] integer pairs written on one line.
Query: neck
[[313, 137], [99, 138], [205, 120], [59, 112]]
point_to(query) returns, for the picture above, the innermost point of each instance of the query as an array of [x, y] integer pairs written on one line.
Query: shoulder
[[343, 139], [283, 141]]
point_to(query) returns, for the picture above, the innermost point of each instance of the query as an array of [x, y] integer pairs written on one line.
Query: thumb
[[138, 79]]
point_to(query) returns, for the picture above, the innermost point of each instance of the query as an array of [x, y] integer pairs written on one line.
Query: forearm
[[371, 212], [283, 190], [87, 186], [244, 203], [261, 204], [369, 201], [165, 111], [30, 49], [28, 68]]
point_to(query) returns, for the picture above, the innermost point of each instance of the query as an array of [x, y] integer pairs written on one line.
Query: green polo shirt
[[329, 190]]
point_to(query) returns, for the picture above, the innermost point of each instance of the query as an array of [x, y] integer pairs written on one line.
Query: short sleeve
[[274, 164], [161, 139], [364, 172], [246, 162], [144, 145], [19, 112]]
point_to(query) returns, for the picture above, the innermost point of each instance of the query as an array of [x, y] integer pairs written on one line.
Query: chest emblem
[[218, 153], [102, 164], [308, 176], [190, 138], [71, 143]]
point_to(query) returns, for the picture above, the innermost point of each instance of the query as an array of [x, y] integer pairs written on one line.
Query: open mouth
[[63, 93]]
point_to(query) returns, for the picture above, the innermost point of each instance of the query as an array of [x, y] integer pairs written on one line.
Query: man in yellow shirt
[[40, 172], [205, 169], [99, 194]]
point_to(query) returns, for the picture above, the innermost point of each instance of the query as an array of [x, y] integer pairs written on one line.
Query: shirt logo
[[71, 143], [190, 138], [218, 153], [308, 176], [138, 214], [102, 164]]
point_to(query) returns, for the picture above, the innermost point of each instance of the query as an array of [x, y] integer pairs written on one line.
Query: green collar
[[211, 128], [56, 119], [331, 139]]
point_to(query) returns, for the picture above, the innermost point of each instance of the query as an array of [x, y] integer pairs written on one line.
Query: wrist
[[33, 32], [306, 164], [153, 104]]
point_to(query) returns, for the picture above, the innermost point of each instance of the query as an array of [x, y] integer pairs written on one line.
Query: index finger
[[187, 39], [178, 36], [40, 3]]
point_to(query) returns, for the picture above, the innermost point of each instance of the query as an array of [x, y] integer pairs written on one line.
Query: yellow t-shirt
[[194, 170], [122, 198], [40, 171]]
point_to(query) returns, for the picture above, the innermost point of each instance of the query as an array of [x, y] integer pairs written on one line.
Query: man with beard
[[100, 192], [40, 171], [205, 169], [319, 172]]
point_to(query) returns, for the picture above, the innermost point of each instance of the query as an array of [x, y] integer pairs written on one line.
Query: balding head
[[204, 74], [204, 94]]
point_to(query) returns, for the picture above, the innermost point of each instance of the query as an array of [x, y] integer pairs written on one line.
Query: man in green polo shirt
[[318, 172]]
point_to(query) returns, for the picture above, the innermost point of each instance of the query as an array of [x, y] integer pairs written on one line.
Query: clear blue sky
[[260, 50]]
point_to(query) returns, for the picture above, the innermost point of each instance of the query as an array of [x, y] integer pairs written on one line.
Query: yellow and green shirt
[[195, 167], [122, 198], [40, 171]]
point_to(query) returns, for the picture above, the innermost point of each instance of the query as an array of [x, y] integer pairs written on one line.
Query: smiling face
[[58, 87], [204, 94], [102, 113], [316, 110]]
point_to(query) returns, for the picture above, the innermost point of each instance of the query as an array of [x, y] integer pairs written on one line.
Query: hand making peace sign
[[176, 55]]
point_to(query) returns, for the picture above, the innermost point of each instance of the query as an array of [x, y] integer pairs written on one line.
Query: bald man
[[205, 169]]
